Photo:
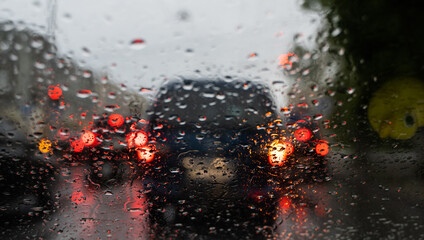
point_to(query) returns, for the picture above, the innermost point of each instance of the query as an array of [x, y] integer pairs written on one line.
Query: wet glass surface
[[211, 120]]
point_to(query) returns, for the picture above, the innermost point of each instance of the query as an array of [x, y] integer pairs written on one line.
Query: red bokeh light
[[77, 145], [115, 120], [138, 41], [77, 197], [303, 134], [54, 92], [285, 203], [146, 154], [137, 139], [88, 138], [322, 149]]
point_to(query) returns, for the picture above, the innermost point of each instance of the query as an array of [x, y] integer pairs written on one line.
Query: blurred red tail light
[[115, 120], [77, 145], [89, 138], [146, 153], [303, 134], [322, 148], [137, 139]]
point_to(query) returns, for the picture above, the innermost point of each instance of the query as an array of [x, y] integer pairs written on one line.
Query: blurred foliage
[[381, 36], [382, 41]]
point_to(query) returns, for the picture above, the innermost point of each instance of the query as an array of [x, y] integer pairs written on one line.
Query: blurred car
[[223, 154], [214, 151]]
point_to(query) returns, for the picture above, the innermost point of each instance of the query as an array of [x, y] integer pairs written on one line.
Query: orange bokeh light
[[44, 145], [279, 151], [285, 203], [115, 120], [146, 154], [303, 134], [285, 61]]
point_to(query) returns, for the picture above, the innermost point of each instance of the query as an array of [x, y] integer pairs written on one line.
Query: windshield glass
[[211, 119]]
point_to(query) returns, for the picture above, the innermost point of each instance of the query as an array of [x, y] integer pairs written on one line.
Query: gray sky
[[215, 37]]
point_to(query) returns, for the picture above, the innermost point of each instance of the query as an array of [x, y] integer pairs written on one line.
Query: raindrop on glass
[[138, 44]]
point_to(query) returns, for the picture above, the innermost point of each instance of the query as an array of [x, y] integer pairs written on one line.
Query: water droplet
[[183, 15], [110, 108], [307, 56], [67, 16], [86, 74], [200, 137], [252, 56], [86, 52], [286, 110], [220, 96], [138, 44], [207, 95], [181, 105], [37, 43], [277, 82], [145, 90], [325, 48], [37, 4], [302, 105], [39, 65], [84, 93], [108, 193], [174, 170], [111, 95], [103, 80], [13, 57], [188, 85], [317, 117], [336, 32]]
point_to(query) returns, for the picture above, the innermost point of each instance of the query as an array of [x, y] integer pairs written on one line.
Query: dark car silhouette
[[223, 155]]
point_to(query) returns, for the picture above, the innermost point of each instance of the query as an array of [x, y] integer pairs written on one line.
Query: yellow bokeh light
[[45, 145]]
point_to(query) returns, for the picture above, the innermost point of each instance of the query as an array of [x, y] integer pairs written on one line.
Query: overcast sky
[[215, 37]]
